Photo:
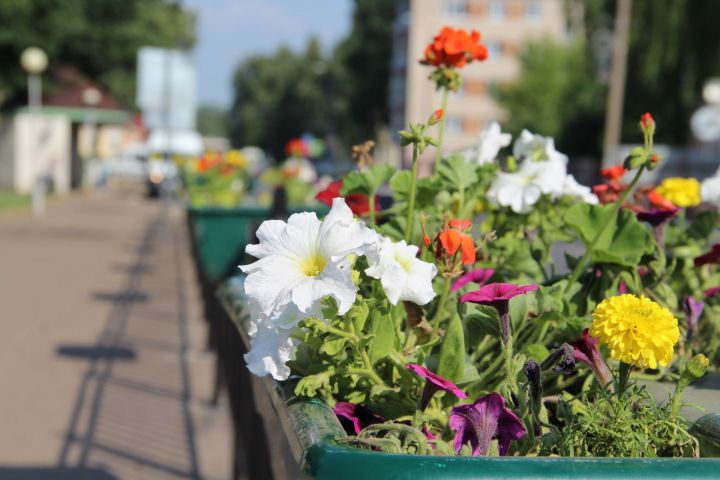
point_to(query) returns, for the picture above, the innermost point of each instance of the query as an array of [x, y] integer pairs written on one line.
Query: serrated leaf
[[369, 181], [358, 314], [309, 385], [457, 173], [623, 242], [451, 363]]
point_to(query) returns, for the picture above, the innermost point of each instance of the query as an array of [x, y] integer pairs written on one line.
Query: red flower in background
[[454, 48], [713, 256], [608, 192], [296, 148], [358, 202], [614, 173]]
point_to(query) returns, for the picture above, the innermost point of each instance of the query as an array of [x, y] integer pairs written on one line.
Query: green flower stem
[[411, 199], [369, 367], [440, 313], [371, 204], [441, 128], [509, 374], [622, 380], [335, 331], [580, 267]]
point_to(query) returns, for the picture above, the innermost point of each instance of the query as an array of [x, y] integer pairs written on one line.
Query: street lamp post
[[91, 97], [34, 61]]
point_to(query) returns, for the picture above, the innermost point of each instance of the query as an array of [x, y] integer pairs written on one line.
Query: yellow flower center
[[637, 330], [405, 261], [313, 265]]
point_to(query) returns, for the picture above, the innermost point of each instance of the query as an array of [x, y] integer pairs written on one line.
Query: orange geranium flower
[[659, 201], [454, 238], [454, 48]]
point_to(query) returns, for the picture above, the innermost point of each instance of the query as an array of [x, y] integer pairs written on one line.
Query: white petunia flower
[[522, 189], [402, 275], [270, 350], [572, 188], [537, 147], [710, 190], [491, 141], [304, 260]]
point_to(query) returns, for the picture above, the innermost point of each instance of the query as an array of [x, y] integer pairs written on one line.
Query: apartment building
[[505, 25]]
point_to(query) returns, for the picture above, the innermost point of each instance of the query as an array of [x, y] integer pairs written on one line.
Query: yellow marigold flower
[[683, 192], [637, 330]]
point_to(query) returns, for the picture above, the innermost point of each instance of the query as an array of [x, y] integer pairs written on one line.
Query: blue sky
[[231, 30]]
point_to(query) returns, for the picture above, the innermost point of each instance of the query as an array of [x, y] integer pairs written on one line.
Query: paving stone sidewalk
[[103, 368]]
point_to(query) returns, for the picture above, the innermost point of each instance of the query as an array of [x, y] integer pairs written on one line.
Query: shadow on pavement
[[40, 473], [133, 417]]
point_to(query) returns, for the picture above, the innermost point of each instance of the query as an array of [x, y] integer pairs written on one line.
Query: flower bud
[[436, 116], [511, 164], [647, 123], [697, 367], [637, 157]]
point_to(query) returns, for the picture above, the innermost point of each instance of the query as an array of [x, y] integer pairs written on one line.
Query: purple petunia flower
[[713, 256], [481, 422], [479, 276], [587, 352], [711, 292], [657, 216], [498, 295], [433, 383], [354, 417], [693, 309]]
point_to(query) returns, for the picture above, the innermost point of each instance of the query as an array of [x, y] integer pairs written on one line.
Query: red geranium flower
[[659, 201], [296, 148], [646, 120], [454, 48], [614, 173], [358, 202]]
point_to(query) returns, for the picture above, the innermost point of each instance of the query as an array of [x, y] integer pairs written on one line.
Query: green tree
[[212, 121], [674, 48], [556, 94], [99, 37], [280, 96], [362, 63]]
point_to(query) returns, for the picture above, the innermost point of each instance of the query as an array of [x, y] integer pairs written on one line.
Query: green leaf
[[309, 385], [702, 225], [333, 347], [358, 314], [369, 181], [456, 172], [624, 241], [383, 336], [451, 364]]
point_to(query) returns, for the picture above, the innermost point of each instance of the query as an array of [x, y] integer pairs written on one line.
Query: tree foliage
[[344, 95], [99, 37], [212, 121], [555, 94], [280, 96]]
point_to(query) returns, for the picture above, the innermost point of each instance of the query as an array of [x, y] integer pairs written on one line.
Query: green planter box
[[312, 428], [220, 234]]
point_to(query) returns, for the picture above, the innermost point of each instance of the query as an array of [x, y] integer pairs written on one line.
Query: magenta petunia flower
[[433, 383], [479, 276], [657, 216], [586, 351], [713, 256], [498, 295], [354, 417], [693, 309], [487, 419], [711, 292]]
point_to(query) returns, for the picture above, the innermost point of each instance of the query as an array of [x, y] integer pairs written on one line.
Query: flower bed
[[444, 325]]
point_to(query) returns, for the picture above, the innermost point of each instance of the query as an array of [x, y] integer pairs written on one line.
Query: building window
[[453, 125], [496, 11], [495, 49], [533, 10], [455, 8]]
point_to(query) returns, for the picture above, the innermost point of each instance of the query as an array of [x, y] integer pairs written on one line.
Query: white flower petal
[[269, 352]]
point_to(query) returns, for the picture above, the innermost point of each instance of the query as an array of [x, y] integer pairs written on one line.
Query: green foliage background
[[99, 37]]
